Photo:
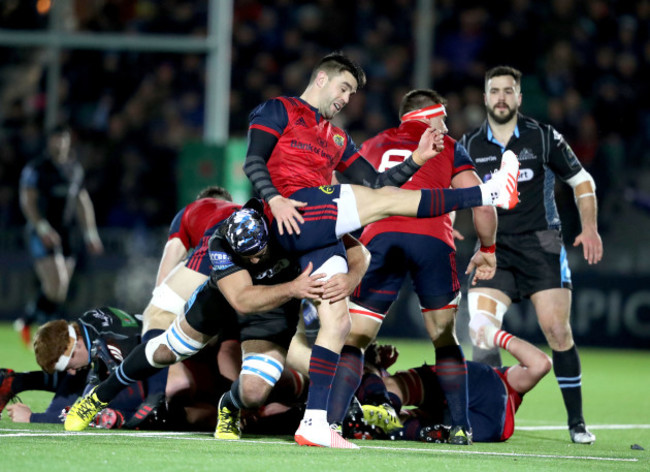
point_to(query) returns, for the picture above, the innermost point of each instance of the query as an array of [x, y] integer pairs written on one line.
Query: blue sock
[[438, 201], [451, 371], [372, 390], [346, 381], [157, 382], [322, 367]]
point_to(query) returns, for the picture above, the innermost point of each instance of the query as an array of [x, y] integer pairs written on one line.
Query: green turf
[[615, 384]]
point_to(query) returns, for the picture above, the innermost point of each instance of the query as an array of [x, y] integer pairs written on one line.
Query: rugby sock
[[394, 401], [36, 380], [346, 381], [566, 366], [42, 311], [135, 367], [451, 370], [322, 367], [157, 382], [372, 390], [231, 398], [438, 201], [491, 357]]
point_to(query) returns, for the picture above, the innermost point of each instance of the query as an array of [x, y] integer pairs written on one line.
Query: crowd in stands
[[586, 67]]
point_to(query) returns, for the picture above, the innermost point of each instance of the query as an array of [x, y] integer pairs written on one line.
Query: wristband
[[489, 249], [502, 339]]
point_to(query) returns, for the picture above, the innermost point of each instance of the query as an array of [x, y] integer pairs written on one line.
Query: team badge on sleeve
[[220, 260], [338, 140], [327, 189]]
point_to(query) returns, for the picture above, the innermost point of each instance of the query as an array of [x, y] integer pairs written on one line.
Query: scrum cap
[[246, 231]]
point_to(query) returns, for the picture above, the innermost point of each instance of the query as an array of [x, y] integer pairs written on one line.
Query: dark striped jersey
[[58, 187], [543, 154]]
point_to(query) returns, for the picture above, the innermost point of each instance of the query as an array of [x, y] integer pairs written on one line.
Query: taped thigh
[[263, 366], [178, 342], [166, 299]]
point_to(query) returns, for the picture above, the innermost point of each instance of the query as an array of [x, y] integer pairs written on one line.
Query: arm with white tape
[[584, 191]]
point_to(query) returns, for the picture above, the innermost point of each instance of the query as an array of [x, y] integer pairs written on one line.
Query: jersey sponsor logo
[[220, 260], [300, 122], [526, 155], [327, 189], [103, 318], [480, 160], [525, 175], [277, 268], [338, 140]]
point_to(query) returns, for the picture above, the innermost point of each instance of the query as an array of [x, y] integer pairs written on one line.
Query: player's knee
[[259, 374], [155, 317], [360, 340], [558, 335], [172, 346], [484, 310]]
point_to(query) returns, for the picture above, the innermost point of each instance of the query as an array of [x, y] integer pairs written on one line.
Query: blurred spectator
[[589, 65]]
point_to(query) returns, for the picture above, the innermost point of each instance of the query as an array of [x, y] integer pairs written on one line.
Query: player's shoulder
[[473, 134]]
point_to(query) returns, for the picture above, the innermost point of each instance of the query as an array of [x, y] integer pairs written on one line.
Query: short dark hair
[[503, 70], [214, 191], [419, 98], [336, 63], [58, 129]]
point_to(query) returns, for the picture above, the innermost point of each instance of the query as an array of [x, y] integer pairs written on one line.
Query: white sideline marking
[[208, 437], [591, 426]]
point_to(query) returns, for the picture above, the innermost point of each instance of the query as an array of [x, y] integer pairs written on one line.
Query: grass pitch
[[616, 386]]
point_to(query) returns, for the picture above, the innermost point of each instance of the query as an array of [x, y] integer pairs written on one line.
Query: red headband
[[425, 113]]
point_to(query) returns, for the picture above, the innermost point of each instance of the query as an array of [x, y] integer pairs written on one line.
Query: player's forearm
[[363, 173], [86, 214], [173, 254], [260, 298], [260, 148], [485, 223], [588, 210], [358, 260], [29, 206]]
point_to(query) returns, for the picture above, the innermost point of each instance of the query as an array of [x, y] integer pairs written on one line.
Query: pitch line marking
[[435, 450]]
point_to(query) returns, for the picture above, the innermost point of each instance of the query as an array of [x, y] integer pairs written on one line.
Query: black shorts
[[208, 312], [38, 250], [277, 326], [529, 263]]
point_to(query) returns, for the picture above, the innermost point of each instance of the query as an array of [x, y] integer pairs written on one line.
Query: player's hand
[[338, 287], [592, 245], [485, 264], [47, 234], [308, 285], [387, 355], [457, 234], [431, 144], [286, 215], [95, 246], [19, 413]]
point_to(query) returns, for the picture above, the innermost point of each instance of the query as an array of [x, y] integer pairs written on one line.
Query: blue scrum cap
[[246, 231]]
